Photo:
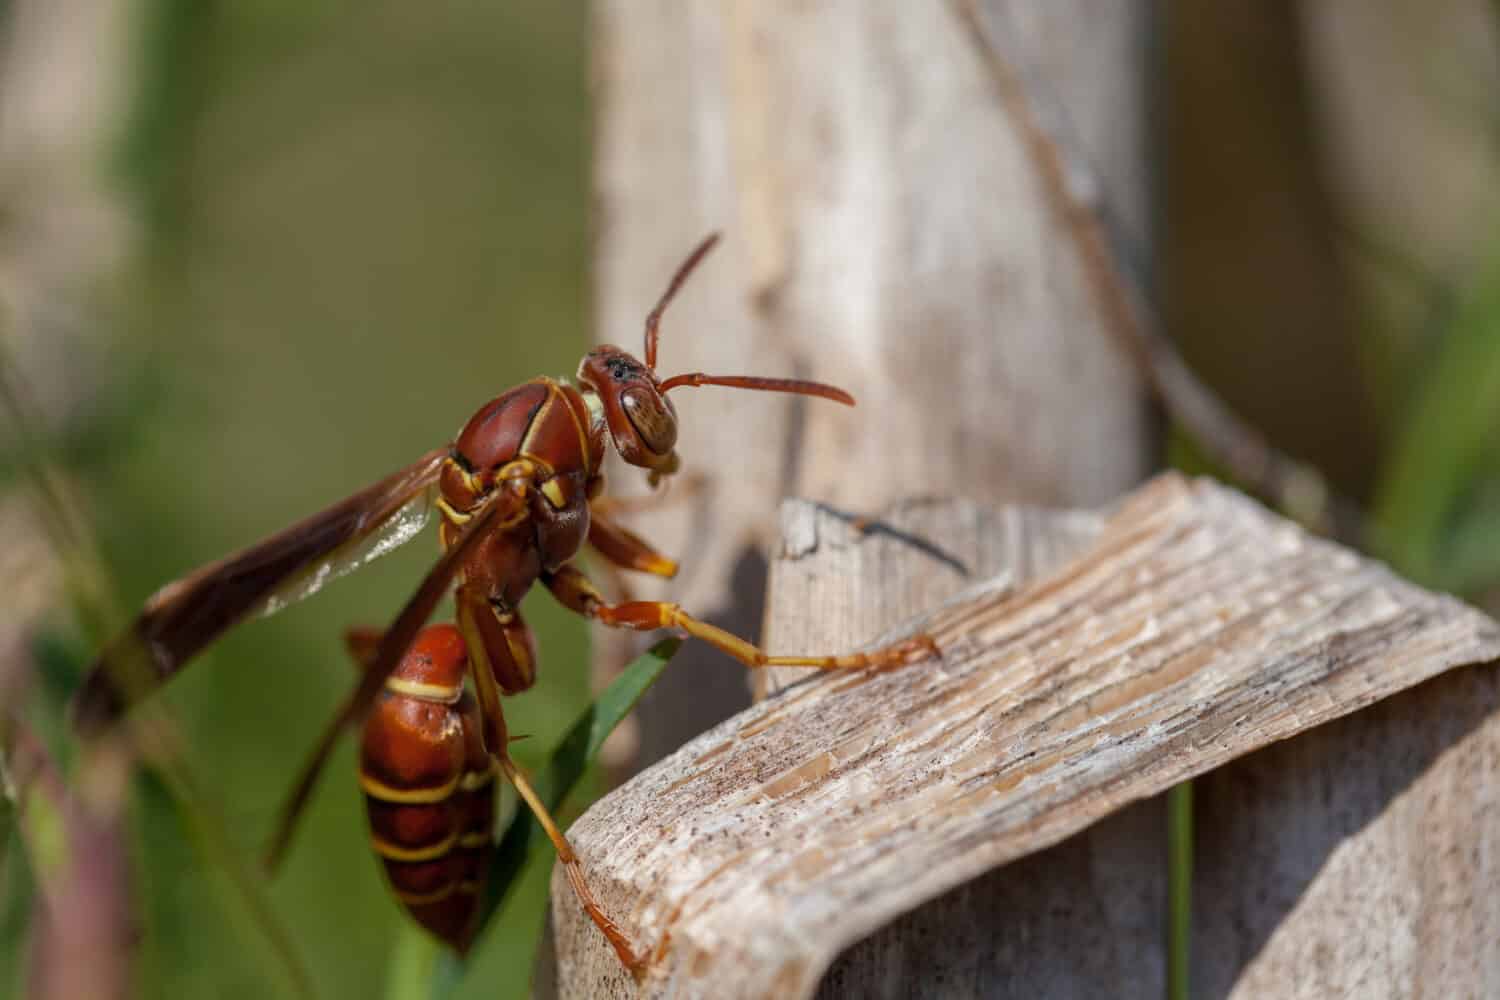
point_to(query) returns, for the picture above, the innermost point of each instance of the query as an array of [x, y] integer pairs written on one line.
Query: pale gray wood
[[1197, 627], [1360, 859], [885, 230], [1088, 932]]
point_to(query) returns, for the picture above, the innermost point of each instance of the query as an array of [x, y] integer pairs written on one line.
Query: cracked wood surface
[[1194, 628]]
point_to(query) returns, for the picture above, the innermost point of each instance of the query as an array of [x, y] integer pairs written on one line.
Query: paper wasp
[[519, 492]]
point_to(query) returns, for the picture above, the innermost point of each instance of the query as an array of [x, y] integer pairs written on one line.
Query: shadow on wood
[[1068, 921], [1361, 858]]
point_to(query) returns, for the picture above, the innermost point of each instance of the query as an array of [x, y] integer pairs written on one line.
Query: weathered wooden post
[[886, 230]]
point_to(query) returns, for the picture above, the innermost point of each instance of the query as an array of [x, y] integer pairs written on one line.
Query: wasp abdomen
[[429, 786]]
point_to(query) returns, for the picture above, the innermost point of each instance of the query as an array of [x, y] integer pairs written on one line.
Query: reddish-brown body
[[520, 493], [539, 434], [429, 786]]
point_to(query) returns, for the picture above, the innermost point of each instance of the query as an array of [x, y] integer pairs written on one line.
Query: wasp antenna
[[653, 319], [798, 386]]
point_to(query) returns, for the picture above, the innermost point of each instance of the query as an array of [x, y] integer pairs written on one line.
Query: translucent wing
[[185, 616], [386, 652], [398, 529]]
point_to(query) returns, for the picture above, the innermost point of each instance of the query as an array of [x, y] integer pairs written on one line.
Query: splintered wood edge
[[1196, 628]]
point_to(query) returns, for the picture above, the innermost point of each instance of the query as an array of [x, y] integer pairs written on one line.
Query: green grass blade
[[1446, 443], [1179, 890], [553, 782], [586, 736], [413, 964]]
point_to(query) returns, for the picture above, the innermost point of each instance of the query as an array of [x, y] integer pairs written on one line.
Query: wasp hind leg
[[502, 660], [568, 858]]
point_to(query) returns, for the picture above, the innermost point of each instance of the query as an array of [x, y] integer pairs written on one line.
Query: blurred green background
[[357, 222], [330, 230]]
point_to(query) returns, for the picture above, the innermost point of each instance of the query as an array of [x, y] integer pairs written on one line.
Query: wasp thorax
[[649, 414]]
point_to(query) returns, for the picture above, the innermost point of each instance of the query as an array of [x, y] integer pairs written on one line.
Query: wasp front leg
[[623, 547], [619, 545], [574, 590]]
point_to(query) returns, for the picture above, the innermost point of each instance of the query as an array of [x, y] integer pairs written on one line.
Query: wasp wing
[[186, 615], [385, 654]]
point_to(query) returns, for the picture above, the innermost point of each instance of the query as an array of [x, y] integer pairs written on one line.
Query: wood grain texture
[[1076, 920], [1194, 629], [885, 230]]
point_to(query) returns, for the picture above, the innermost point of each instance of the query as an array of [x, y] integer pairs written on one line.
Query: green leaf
[[553, 782], [414, 963]]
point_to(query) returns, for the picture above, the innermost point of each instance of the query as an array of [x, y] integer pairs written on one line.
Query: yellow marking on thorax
[[525, 467], [537, 420], [470, 480], [520, 468], [455, 517], [445, 693], [473, 840], [407, 796], [590, 401], [552, 490], [555, 396], [430, 852]]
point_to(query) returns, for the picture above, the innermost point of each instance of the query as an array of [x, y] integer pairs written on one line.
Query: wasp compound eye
[[651, 419]]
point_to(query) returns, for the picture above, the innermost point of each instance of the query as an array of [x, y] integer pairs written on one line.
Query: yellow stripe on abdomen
[[377, 789]]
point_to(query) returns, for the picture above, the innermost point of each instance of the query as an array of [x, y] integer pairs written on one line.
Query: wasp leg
[[624, 547], [574, 591], [621, 546], [569, 860], [618, 550], [502, 655]]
